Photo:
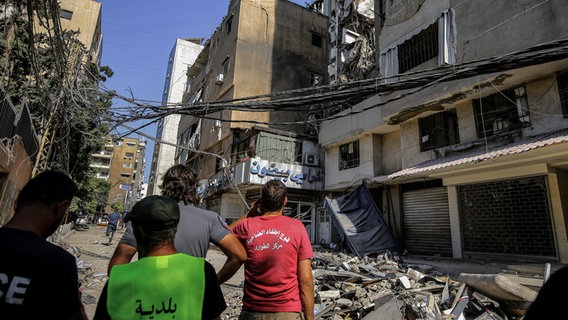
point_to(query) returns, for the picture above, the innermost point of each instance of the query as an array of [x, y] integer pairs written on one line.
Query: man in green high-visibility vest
[[164, 284]]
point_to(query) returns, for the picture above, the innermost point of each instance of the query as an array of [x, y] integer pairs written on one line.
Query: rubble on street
[[386, 288], [383, 286]]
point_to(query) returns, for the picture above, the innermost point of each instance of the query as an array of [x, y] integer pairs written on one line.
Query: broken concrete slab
[[498, 286]]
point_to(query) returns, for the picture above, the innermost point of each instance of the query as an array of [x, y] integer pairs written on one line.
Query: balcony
[[102, 154]]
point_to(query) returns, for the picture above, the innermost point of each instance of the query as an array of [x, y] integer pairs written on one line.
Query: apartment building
[[182, 56], [84, 16], [121, 163], [260, 47], [469, 158]]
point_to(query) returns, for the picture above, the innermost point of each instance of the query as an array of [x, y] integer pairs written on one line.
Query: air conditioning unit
[[219, 79], [311, 159]]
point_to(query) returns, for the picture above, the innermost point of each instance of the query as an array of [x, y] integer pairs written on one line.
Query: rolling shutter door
[[426, 219]]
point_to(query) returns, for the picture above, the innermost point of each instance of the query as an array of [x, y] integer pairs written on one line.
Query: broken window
[[229, 24], [317, 40], [501, 112], [315, 79], [562, 80], [439, 130], [225, 66], [349, 155]]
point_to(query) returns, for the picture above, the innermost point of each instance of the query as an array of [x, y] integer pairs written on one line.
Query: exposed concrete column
[[559, 202], [453, 206]]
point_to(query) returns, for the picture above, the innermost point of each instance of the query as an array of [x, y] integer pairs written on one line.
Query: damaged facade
[[351, 39], [260, 47], [473, 162]]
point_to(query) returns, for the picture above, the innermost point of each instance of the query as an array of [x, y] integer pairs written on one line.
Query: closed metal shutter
[[426, 219], [510, 217]]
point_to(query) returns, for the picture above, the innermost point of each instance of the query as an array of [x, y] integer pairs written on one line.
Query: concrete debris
[[384, 287], [387, 288]]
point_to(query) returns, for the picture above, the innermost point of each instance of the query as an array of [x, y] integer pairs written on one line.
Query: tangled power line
[[327, 102]]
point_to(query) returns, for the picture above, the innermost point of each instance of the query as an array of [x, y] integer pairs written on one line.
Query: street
[[93, 254]]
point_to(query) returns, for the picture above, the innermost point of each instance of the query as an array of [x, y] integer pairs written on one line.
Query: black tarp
[[360, 223]]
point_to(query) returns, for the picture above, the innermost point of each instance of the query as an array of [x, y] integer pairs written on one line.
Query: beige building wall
[[84, 16], [260, 47], [122, 171]]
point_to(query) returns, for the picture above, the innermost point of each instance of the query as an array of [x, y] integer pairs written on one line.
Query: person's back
[[275, 244], [29, 271], [170, 285], [39, 280], [164, 284], [278, 274], [197, 229]]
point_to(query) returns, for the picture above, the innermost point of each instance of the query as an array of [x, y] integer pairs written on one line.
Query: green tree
[[47, 71]]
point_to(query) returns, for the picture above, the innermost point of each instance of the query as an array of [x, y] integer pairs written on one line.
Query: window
[[418, 49], [433, 40], [127, 165], [439, 130], [229, 24], [317, 40], [125, 175], [562, 80], [315, 79], [225, 66], [66, 14], [501, 112], [349, 155], [131, 144], [129, 155]]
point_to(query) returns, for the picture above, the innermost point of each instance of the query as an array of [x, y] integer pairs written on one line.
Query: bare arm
[[236, 256], [306, 282], [122, 255]]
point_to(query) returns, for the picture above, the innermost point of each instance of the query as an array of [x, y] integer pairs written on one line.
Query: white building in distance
[[182, 56]]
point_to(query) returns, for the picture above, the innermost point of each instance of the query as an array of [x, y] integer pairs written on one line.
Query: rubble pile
[[385, 288]]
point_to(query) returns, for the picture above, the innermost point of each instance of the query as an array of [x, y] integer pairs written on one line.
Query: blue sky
[[138, 36]]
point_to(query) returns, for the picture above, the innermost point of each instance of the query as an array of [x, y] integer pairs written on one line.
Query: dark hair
[[46, 188], [154, 237], [273, 195], [180, 184]]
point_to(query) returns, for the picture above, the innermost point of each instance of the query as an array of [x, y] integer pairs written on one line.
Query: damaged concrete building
[[464, 146], [259, 48]]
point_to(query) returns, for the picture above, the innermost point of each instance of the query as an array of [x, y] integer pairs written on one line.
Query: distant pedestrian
[[164, 284], [278, 273], [39, 280], [113, 220], [198, 228], [122, 221]]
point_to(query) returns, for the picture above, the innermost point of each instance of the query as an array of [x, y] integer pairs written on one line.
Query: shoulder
[[191, 209]]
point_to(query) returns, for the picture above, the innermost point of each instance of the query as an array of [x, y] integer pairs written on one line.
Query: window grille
[[418, 49], [501, 112], [349, 155]]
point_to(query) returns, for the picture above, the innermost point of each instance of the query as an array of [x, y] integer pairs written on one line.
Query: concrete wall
[[512, 24]]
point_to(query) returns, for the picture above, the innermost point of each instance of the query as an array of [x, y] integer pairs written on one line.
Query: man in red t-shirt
[[278, 272]]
